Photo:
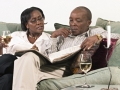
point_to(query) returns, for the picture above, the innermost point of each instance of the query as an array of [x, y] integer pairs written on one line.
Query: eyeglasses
[[35, 20]]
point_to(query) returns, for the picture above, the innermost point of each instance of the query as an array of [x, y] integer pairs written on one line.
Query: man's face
[[78, 22]]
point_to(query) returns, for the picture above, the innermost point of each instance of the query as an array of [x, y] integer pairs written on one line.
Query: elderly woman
[[32, 36]]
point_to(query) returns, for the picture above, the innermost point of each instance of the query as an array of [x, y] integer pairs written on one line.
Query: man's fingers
[[61, 32], [84, 44], [87, 45], [65, 32]]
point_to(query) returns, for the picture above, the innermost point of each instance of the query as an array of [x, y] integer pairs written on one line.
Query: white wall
[[59, 10]]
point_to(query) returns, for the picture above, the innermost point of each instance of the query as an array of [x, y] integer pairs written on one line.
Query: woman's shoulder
[[18, 33], [46, 34]]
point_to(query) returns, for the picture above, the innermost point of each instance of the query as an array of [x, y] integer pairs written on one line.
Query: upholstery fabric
[[115, 25], [13, 26], [115, 58], [101, 22], [99, 76], [100, 56], [2, 27], [9, 26], [58, 25]]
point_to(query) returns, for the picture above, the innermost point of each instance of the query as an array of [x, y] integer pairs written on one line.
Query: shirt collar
[[43, 35], [87, 34]]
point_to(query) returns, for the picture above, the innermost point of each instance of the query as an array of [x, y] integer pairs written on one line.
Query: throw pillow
[[115, 58], [58, 25], [101, 22], [99, 58], [115, 26]]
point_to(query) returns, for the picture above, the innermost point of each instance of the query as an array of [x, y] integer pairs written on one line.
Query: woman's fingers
[[35, 47]]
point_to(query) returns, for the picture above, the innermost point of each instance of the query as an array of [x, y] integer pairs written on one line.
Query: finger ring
[[88, 48]]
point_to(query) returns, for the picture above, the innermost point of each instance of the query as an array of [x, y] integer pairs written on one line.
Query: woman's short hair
[[26, 15]]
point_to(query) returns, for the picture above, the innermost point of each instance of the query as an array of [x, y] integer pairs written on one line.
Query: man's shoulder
[[95, 27]]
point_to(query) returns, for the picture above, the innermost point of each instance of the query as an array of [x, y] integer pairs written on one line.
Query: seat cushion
[[99, 76]]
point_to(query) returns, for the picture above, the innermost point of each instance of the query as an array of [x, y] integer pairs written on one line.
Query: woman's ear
[[27, 26]]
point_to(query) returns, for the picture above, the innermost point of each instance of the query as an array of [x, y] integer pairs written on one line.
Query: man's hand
[[89, 42], [61, 32]]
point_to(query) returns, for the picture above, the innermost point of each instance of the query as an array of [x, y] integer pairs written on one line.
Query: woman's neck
[[34, 35]]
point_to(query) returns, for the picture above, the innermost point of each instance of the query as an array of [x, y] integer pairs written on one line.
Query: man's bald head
[[84, 9]]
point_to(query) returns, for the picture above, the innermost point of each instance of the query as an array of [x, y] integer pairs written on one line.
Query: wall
[[59, 10]]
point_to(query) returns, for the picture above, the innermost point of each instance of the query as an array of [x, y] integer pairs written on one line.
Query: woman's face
[[35, 24]]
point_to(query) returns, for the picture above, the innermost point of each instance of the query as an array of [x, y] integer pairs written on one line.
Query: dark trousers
[[6, 71]]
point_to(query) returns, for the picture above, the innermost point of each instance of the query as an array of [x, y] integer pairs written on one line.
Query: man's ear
[[89, 22]]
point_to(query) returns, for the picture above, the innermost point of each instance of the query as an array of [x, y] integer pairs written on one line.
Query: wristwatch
[[99, 38]]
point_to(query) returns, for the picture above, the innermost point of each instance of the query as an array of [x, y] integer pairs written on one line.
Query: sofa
[[99, 76]]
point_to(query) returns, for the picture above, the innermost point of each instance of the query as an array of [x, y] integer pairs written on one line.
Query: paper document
[[56, 56]]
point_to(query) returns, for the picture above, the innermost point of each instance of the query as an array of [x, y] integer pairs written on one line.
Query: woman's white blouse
[[20, 41]]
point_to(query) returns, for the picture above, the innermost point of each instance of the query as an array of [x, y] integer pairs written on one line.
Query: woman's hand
[[89, 42], [61, 32], [2, 44], [35, 47]]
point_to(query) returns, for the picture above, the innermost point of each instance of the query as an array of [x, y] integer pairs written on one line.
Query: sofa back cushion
[[2, 27], [115, 58], [13, 27], [9, 26], [58, 25], [115, 26]]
